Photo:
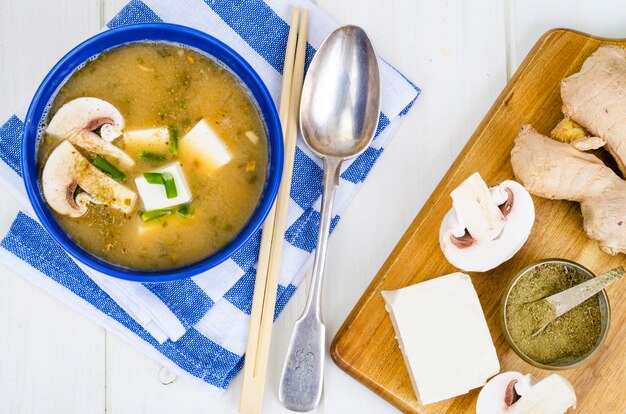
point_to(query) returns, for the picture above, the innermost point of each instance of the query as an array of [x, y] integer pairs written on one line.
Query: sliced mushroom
[[514, 393], [66, 170], [77, 120], [486, 227]]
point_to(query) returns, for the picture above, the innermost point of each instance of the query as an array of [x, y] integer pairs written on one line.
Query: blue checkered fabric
[[198, 326]]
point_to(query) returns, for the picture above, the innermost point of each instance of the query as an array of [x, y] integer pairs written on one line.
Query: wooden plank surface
[[366, 347]]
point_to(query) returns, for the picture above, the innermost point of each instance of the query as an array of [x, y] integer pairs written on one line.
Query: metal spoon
[[338, 118], [570, 298]]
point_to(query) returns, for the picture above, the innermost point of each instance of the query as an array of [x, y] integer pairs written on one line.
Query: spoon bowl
[[341, 95]]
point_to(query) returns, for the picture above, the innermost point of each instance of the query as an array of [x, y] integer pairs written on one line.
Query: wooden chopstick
[[270, 253]]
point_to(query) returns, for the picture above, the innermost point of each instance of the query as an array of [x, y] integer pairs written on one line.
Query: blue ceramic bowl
[[150, 32]]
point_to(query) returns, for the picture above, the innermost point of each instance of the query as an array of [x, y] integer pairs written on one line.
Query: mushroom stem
[[476, 209]]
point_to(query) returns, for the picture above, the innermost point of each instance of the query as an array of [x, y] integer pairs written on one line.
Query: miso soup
[[153, 156]]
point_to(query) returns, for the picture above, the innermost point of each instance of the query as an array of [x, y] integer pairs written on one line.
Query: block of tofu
[[204, 147], [153, 196], [157, 136], [443, 336]]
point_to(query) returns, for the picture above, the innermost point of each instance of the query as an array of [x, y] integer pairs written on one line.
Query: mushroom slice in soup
[[77, 120], [66, 170]]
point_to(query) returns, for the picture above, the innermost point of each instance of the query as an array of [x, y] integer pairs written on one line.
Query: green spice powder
[[566, 338]]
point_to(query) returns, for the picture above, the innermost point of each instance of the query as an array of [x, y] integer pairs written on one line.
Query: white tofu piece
[[204, 147], [443, 336], [146, 136], [153, 196]]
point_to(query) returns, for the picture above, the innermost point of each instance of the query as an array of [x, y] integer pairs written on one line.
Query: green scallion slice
[[173, 132], [186, 211], [110, 169], [155, 214], [166, 179], [154, 178], [151, 157], [170, 185]]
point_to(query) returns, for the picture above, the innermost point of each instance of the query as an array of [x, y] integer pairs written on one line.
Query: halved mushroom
[[77, 120], [514, 393], [486, 226], [66, 170]]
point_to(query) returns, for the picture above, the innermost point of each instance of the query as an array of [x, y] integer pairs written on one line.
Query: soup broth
[[159, 85]]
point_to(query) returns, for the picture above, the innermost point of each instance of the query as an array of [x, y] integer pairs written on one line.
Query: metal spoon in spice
[[566, 300]]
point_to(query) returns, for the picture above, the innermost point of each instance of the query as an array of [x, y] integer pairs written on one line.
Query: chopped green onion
[[151, 157], [186, 211], [173, 132], [170, 185], [154, 178], [165, 179], [155, 214], [109, 168]]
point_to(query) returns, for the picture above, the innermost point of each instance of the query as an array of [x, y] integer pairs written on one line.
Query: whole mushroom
[[486, 226], [77, 120]]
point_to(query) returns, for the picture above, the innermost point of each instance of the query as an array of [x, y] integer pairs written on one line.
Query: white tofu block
[[203, 146], [151, 136], [443, 336], [153, 196]]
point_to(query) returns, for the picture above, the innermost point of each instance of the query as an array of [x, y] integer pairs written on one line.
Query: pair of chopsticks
[[268, 268]]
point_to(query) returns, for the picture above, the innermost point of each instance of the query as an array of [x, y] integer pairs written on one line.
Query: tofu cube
[[151, 139], [203, 147], [443, 336], [153, 196]]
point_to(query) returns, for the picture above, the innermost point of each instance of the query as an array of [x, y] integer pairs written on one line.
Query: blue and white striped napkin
[[198, 326]]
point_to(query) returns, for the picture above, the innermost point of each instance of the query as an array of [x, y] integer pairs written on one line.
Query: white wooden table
[[460, 53]]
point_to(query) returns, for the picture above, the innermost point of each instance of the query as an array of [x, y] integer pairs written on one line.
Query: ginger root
[[570, 132], [556, 170], [595, 99]]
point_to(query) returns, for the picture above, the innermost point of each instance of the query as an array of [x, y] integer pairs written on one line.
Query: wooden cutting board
[[365, 346]]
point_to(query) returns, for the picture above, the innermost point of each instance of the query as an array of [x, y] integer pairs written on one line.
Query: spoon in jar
[[568, 299], [339, 114]]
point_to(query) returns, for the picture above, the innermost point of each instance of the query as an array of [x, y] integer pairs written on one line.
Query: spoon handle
[[574, 296], [303, 373]]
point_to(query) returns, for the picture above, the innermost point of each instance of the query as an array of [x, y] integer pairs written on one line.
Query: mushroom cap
[[85, 114], [66, 169], [77, 119], [462, 251], [502, 391], [59, 182]]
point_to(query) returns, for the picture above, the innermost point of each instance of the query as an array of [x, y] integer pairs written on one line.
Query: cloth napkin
[[198, 326]]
